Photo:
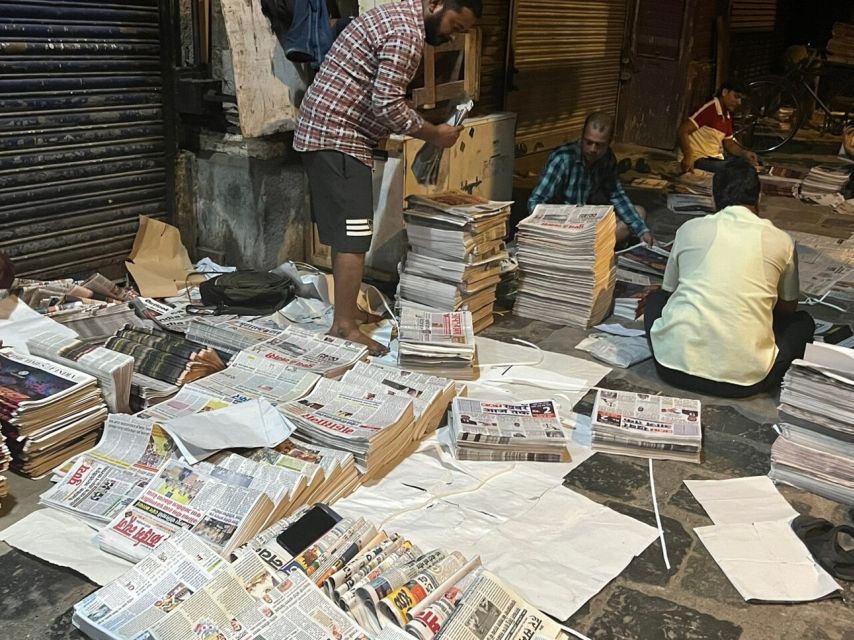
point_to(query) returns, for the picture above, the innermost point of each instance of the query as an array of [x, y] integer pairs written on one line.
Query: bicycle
[[774, 107]]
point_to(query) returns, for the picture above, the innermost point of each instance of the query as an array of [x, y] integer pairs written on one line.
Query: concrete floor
[[692, 601]]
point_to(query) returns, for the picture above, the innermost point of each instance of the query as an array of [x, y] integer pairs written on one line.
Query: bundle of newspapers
[[647, 426], [166, 357], [456, 247], [113, 370], [355, 583], [439, 343], [228, 335], [781, 181], [379, 429], [301, 349], [642, 259], [5, 459], [630, 298], [48, 412], [815, 450], [489, 430], [566, 264], [823, 180]]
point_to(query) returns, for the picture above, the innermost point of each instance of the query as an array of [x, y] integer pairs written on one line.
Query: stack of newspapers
[[823, 180], [164, 356], [438, 343], [377, 428], [566, 264], [227, 335], [48, 412], [489, 430], [5, 459], [647, 426], [815, 450], [355, 582], [430, 395], [113, 370], [323, 354], [642, 259], [456, 246], [630, 298]]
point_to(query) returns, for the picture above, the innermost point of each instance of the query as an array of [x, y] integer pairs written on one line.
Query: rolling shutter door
[[567, 61], [493, 55], [755, 43], [81, 132]]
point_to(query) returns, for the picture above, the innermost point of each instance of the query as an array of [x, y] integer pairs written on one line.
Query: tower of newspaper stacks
[[815, 450], [566, 264], [456, 246]]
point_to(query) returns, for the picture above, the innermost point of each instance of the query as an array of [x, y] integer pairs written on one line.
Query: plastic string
[[658, 517], [535, 363]]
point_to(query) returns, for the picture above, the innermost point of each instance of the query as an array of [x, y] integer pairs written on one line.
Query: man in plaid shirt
[[357, 98], [585, 172]]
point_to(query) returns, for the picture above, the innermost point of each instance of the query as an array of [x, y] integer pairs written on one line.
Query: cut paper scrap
[[741, 500]]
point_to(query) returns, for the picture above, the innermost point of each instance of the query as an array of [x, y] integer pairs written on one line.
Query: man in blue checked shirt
[[585, 172]]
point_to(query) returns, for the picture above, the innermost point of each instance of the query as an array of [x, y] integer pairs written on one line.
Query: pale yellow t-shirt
[[726, 272]]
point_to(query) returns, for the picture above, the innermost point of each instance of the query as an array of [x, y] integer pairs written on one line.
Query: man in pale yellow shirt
[[725, 321]]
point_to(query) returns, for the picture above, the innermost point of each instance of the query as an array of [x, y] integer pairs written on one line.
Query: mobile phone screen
[[305, 531]]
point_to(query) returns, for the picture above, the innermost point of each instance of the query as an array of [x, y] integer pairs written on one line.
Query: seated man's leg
[[623, 231], [792, 333], [652, 310], [342, 206], [711, 165]]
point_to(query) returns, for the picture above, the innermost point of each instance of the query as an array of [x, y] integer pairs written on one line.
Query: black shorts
[[342, 200]]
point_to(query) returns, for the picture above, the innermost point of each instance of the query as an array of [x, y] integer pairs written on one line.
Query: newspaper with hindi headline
[[500, 422], [107, 478], [178, 497], [647, 414]]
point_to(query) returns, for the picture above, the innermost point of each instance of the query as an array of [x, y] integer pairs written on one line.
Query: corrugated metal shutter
[[493, 55], [753, 15], [567, 57], [81, 132]]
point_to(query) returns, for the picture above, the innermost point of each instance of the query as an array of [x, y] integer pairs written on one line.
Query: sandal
[[824, 542]]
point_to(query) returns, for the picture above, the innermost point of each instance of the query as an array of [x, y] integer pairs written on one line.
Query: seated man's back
[[725, 321], [727, 272]]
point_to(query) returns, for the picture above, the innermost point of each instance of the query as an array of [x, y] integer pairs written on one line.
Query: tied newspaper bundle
[[824, 181], [566, 264], [437, 343], [497, 431], [630, 298], [815, 450], [781, 181], [397, 593], [48, 412], [647, 426], [456, 249]]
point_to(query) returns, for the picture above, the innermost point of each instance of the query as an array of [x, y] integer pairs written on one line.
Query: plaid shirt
[[566, 180], [359, 94]]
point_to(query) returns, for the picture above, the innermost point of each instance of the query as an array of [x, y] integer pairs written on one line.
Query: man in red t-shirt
[[708, 133]]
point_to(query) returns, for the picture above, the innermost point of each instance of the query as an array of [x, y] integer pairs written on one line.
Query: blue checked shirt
[[566, 180]]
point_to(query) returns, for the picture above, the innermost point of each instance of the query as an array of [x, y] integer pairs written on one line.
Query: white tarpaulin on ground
[[64, 540], [565, 547]]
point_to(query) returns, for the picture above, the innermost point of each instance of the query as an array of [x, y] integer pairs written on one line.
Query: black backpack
[[246, 293]]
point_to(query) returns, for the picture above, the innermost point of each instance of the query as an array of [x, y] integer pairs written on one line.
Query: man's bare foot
[[363, 317], [354, 335]]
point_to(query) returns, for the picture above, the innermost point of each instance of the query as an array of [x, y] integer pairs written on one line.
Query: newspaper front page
[[182, 497], [150, 590], [501, 422], [106, 479], [489, 609], [647, 414], [301, 349]]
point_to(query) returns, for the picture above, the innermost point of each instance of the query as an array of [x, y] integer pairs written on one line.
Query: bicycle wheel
[[770, 115]]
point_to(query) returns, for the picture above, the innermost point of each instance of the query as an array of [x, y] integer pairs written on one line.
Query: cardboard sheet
[[491, 507], [158, 260], [741, 500], [64, 540]]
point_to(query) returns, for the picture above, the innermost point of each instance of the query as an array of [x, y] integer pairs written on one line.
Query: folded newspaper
[[647, 426], [488, 430]]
